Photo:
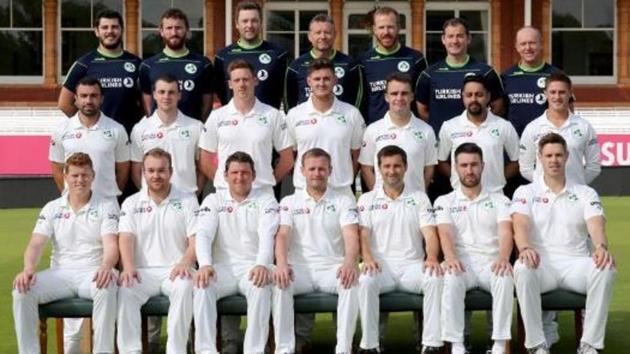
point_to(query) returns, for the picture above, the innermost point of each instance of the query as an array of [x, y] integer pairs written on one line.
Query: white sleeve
[[127, 222], [291, 128], [281, 139], [445, 144], [136, 152], [592, 204], [286, 211], [442, 212], [592, 166], [358, 127], [363, 207], [268, 221], [209, 139], [426, 211], [503, 209], [521, 201], [527, 156], [348, 213], [122, 145], [207, 226], [109, 221], [45, 223], [55, 152], [368, 148], [192, 206], [511, 144], [431, 150]]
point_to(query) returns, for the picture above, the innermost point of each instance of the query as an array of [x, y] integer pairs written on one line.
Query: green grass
[[16, 226]]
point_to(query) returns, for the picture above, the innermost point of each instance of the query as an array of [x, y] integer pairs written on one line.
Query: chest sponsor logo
[[378, 206], [385, 137], [541, 200], [541, 82], [339, 72], [190, 68], [262, 75], [62, 215], [128, 82], [72, 136], [225, 209], [143, 210], [301, 211], [541, 99], [129, 67], [377, 86], [151, 136], [459, 135], [227, 123], [302, 122], [447, 94], [458, 209], [403, 66], [264, 58]]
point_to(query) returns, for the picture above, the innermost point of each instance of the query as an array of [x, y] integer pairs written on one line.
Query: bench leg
[[508, 347], [59, 334], [520, 331], [43, 336], [579, 326], [145, 335], [87, 335]]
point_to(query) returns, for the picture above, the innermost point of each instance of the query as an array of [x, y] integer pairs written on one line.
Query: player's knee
[[182, 286], [522, 271], [367, 281]]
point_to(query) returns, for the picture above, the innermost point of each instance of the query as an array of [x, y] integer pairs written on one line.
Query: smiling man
[[388, 56], [269, 61], [193, 70], [115, 68]]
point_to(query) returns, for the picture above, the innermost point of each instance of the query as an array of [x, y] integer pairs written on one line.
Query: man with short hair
[[326, 122], [394, 222], [82, 227], [246, 124], [193, 70], [389, 55], [438, 89], [479, 125], [524, 83], [554, 221], [316, 249], [321, 34], [235, 237], [269, 61], [115, 68], [400, 127], [157, 252], [171, 130], [92, 132], [583, 164], [476, 235]]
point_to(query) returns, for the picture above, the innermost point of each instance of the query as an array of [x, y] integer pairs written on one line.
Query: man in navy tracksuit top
[[321, 34], [388, 56], [193, 70], [438, 90], [269, 61], [116, 69]]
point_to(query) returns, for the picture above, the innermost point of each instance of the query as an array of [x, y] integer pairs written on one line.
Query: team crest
[[573, 197], [339, 72], [410, 202], [542, 82], [331, 208], [92, 214], [129, 67], [488, 205], [578, 133], [262, 75], [418, 135], [190, 68], [264, 58], [177, 205], [262, 120], [184, 133], [341, 119], [403, 66], [108, 134], [495, 132]]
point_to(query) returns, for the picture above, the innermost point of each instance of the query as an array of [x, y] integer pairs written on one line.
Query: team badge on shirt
[[177, 205], [331, 208], [92, 214], [410, 202], [190, 68], [495, 132], [129, 67], [184, 133], [262, 120], [488, 204], [403, 66], [341, 119], [264, 58], [339, 72], [542, 82], [577, 133], [418, 135], [108, 134], [573, 197]]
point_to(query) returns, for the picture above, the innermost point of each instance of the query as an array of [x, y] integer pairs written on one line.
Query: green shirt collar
[[456, 66], [331, 56], [530, 69], [118, 54], [176, 54], [384, 51], [241, 43]]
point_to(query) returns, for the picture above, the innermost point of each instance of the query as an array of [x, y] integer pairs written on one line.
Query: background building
[[39, 40]]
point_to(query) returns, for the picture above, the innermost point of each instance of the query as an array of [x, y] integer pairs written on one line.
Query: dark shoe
[[367, 351], [431, 350]]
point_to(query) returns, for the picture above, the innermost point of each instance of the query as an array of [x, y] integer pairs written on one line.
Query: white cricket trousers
[[232, 280], [153, 282], [574, 273], [478, 274], [401, 277], [60, 283], [308, 280]]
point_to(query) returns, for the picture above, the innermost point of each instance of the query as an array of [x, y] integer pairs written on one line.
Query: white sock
[[458, 348], [499, 346]]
